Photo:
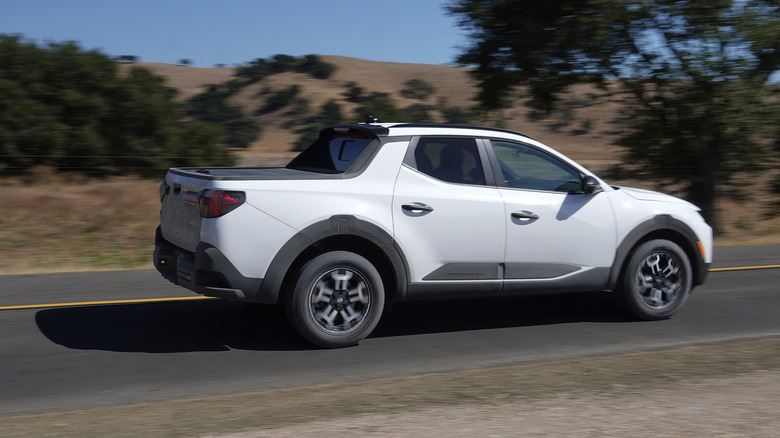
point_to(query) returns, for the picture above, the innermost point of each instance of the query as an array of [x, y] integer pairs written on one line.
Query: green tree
[[283, 63], [456, 115], [417, 89], [354, 92], [419, 113], [299, 107], [201, 145], [693, 76], [280, 99], [329, 114], [145, 130], [316, 67], [257, 70], [72, 109], [312, 65], [212, 106], [382, 106]]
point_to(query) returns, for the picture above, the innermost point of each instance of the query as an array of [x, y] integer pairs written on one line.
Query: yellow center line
[[744, 268], [157, 300], [88, 303]]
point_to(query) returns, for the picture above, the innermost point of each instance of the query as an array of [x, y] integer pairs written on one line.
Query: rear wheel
[[337, 299], [657, 280]]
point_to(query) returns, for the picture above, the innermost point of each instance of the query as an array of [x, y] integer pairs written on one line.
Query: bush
[[329, 114], [381, 105], [419, 113], [257, 70], [312, 65], [315, 67], [283, 63], [418, 89], [280, 99], [299, 107], [211, 106], [353, 93], [456, 115]]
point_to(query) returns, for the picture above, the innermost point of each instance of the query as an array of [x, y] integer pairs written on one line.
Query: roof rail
[[445, 125]]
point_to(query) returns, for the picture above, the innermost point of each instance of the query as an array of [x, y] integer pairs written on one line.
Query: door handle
[[525, 214], [417, 207]]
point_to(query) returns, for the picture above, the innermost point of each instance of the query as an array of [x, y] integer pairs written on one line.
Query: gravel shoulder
[[720, 391]]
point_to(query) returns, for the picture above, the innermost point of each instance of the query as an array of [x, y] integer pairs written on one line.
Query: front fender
[[661, 226]]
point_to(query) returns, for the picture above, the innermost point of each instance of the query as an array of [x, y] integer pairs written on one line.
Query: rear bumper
[[206, 271]]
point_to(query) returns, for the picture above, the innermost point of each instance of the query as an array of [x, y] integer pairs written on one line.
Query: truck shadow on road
[[216, 325]]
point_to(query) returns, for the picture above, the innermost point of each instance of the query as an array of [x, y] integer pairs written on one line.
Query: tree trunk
[[703, 189]]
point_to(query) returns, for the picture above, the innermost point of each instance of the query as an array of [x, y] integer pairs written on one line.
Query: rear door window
[[453, 160]]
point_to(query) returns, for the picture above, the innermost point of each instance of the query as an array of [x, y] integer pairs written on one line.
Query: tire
[[337, 300], [656, 281]]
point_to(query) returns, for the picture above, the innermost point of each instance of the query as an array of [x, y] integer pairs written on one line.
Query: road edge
[[591, 377]]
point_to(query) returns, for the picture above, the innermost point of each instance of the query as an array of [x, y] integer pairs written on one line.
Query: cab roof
[[382, 129]]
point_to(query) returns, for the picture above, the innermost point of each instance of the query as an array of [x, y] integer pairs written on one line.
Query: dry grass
[[65, 223], [69, 223]]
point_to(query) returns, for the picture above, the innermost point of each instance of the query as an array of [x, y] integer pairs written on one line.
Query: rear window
[[332, 153]]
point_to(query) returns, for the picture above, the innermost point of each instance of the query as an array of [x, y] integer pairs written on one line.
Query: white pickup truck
[[378, 212]]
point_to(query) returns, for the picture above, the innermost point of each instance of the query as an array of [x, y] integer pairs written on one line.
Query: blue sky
[[229, 32]]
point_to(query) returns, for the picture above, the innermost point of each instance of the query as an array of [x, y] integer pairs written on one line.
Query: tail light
[[165, 189], [215, 203]]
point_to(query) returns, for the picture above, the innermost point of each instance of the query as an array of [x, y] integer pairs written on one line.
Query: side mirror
[[590, 185]]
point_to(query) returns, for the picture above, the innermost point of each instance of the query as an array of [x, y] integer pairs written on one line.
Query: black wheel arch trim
[[337, 225], [661, 226]]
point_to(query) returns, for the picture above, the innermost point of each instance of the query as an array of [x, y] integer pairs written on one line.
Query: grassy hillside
[[587, 138], [67, 222]]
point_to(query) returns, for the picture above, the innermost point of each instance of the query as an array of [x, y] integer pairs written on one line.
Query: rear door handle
[[525, 214], [417, 207]]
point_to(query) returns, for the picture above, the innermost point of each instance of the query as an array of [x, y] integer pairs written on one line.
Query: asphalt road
[[91, 355]]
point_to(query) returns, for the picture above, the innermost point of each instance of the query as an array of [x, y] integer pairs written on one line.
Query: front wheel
[[337, 299], [657, 280]]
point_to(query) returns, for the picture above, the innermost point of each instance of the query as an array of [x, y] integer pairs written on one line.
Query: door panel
[[448, 232], [571, 232], [558, 237]]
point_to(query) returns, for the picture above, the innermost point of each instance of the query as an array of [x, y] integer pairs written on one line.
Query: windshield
[[333, 153]]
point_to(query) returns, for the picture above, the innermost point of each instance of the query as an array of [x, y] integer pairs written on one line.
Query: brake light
[[215, 203]]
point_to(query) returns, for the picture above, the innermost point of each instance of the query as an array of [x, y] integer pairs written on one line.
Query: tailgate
[[179, 218]]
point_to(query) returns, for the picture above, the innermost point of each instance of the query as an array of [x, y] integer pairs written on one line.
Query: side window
[[454, 160], [524, 167]]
